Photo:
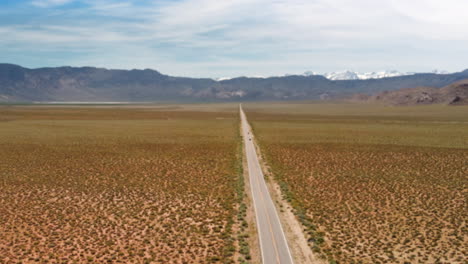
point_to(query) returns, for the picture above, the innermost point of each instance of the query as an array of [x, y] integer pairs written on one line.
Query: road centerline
[[273, 245]]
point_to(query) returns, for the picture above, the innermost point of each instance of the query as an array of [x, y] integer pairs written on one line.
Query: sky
[[228, 38]]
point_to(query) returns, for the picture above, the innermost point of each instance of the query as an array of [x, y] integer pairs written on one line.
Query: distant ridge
[[352, 75], [349, 75], [453, 94], [90, 84]]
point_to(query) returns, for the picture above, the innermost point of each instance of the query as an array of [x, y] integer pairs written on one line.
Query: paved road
[[273, 244]]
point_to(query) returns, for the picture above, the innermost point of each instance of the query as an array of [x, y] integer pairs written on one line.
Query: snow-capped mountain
[[436, 71], [219, 79], [381, 74], [222, 79], [343, 75], [351, 75]]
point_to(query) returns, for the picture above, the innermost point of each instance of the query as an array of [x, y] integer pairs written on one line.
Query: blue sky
[[227, 38]]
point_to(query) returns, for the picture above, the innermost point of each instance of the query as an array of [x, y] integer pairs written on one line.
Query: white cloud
[[261, 37], [50, 3]]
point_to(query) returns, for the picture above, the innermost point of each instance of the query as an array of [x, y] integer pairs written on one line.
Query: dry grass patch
[[376, 189], [130, 185]]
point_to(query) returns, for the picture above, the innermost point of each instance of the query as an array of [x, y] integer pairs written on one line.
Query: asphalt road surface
[[273, 245]]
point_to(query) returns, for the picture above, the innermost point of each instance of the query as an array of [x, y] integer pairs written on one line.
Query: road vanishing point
[[273, 244]]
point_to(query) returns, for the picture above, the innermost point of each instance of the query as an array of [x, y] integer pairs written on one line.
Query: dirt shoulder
[[251, 232], [300, 249], [250, 218]]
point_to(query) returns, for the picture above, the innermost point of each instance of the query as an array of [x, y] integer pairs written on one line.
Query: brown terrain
[[370, 183], [453, 94], [117, 185]]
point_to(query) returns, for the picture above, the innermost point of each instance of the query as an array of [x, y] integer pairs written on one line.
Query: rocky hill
[[453, 94], [63, 84]]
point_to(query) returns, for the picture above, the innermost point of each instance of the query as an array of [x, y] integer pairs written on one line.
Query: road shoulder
[[251, 229], [253, 239], [300, 249]]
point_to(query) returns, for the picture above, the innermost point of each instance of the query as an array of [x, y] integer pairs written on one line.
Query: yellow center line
[[269, 221]]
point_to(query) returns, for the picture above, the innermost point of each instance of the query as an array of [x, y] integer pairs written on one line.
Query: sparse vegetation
[[242, 234], [384, 187], [118, 185]]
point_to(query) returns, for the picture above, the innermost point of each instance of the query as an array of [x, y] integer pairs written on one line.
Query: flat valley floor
[[371, 184], [164, 183], [118, 184]]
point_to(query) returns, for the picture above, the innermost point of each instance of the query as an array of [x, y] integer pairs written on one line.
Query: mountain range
[[452, 94], [63, 84], [351, 75]]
